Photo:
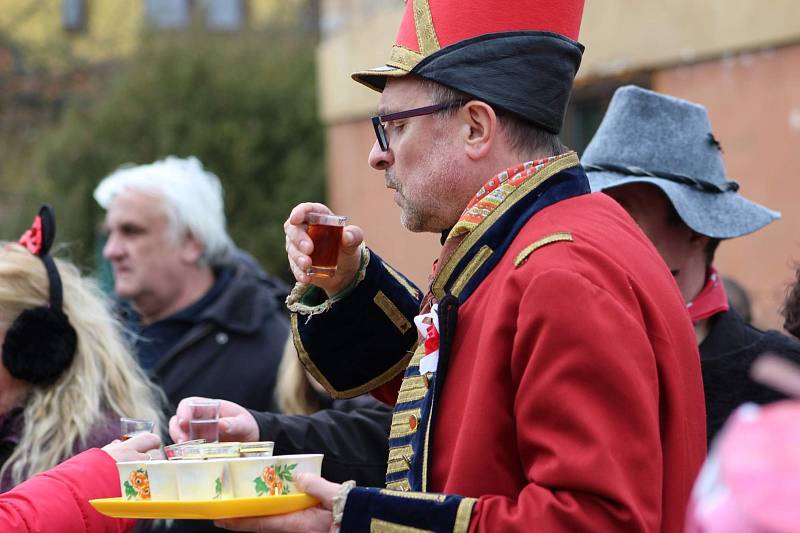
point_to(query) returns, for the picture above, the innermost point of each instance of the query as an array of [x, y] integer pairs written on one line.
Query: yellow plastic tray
[[204, 509]]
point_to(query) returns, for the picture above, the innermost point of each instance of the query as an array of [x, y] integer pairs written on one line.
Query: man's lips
[[121, 270]]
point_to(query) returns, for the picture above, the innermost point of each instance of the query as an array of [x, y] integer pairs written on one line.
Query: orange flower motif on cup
[[137, 486], [273, 481], [269, 476]]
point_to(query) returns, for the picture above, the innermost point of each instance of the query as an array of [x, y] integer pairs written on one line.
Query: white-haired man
[[209, 323]]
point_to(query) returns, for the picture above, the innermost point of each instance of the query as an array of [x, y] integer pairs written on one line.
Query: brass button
[[412, 422]]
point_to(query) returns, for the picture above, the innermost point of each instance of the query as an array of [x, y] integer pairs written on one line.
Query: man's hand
[[314, 520], [236, 424], [135, 448], [299, 247]]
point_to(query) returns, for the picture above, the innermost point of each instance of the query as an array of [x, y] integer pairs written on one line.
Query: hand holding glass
[[326, 234], [128, 427], [204, 419]]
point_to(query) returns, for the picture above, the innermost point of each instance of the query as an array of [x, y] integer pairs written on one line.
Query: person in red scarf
[[656, 155], [548, 380]]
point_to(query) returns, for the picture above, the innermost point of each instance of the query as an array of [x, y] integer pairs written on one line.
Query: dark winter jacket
[[353, 435], [234, 349], [726, 355]]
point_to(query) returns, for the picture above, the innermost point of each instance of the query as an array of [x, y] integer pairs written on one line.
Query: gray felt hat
[[647, 137]]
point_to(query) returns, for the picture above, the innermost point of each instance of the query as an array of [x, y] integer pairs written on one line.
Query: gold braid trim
[[425, 451], [418, 354], [402, 281], [426, 33], [544, 241], [401, 485], [416, 495], [474, 264], [392, 312], [412, 389], [565, 162], [463, 515], [382, 526], [319, 376], [404, 58], [400, 423], [400, 459]]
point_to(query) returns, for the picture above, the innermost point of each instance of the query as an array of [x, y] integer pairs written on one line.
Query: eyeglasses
[[379, 120]]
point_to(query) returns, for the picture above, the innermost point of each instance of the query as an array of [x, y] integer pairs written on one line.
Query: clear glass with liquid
[[204, 420]]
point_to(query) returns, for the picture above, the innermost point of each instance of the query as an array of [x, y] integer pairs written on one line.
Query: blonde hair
[[294, 393], [103, 379]]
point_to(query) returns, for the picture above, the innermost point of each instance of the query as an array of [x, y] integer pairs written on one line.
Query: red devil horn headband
[[39, 237]]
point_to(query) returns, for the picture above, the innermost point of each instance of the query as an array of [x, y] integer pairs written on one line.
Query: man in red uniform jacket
[[555, 384]]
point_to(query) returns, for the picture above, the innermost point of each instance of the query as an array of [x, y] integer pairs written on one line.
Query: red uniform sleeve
[[587, 414], [58, 499]]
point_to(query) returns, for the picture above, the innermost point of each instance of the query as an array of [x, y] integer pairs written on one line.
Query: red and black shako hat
[[518, 55], [40, 344]]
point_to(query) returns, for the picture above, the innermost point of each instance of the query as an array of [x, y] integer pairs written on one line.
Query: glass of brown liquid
[[326, 234], [128, 427], [204, 419]]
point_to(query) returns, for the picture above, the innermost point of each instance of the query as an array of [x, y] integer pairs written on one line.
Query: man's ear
[[191, 249], [480, 128]]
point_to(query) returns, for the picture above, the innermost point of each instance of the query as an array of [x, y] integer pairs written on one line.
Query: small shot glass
[[128, 427], [204, 419], [325, 232]]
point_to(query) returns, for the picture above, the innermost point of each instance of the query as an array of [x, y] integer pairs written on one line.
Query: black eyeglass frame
[[378, 121]]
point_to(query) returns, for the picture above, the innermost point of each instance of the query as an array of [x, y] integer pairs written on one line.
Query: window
[[224, 15], [168, 14], [74, 15]]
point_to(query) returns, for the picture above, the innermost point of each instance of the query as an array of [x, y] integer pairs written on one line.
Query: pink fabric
[[751, 482]]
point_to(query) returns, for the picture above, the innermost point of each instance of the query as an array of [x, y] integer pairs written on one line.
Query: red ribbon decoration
[[431, 339], [32, 238]]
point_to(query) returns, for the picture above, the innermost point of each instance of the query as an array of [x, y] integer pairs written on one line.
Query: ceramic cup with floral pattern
[[133, 480], [203, 479], [163, 481], [255, 477]]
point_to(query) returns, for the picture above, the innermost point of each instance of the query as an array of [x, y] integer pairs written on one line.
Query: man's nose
[[380, 160], [112, 249]]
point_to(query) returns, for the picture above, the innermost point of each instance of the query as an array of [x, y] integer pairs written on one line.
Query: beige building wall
[[739, 60], [113, 28]]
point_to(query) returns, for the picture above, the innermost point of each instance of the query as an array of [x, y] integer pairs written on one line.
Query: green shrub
[[244, 104]]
